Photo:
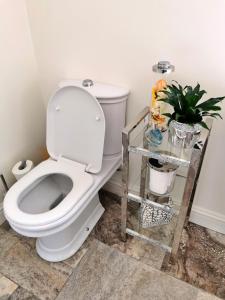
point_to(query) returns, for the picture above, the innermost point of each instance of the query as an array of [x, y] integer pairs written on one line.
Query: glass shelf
[[135, 162], [165, 152], [162, 234]]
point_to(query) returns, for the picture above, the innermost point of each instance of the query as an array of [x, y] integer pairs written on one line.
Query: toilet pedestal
[[62, 245]]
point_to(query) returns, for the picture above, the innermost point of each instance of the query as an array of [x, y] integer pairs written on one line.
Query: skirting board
[[208, 219], [199, 215]]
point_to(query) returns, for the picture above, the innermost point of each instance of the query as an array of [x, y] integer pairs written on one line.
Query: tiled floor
[[97, 270], [201, 256]]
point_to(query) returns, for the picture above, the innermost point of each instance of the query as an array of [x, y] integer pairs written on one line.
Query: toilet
[[57, 202]]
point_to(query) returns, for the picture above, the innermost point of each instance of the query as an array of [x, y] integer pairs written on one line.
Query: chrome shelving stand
[[193, 163]]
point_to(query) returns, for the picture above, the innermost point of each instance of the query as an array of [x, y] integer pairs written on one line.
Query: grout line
[[73, 270]]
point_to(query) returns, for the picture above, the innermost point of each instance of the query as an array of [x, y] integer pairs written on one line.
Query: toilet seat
[[82, 181]]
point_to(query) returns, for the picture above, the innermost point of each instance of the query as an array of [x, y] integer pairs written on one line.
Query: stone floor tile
[[206, 296], [22, 294], [97, 271], [216, 236], [43, 279], [7, 287], [74, 260], [105, 273], [146, 253], [31, 242], [200, 261], [7, 240], [108, 231], [18, 237]]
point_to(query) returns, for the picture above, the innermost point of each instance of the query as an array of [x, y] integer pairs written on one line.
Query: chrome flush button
[[87, 82]]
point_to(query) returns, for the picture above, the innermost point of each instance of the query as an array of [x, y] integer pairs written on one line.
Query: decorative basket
[[154, 214]]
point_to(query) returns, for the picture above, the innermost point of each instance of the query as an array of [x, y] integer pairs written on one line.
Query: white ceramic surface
[[99, 90], [113, 102], [76, 127], [19, 173], [64, 231], [57, 202]]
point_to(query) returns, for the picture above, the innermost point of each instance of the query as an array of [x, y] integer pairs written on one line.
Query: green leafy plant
[[187, 106]]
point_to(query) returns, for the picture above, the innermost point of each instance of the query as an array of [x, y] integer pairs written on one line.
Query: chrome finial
[[87, 82], [163, 67]]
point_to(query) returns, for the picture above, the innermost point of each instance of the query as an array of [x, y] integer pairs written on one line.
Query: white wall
[[22, 112], [119, 41]]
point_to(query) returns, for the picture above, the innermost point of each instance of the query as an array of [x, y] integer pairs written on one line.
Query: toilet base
[[62, 245]]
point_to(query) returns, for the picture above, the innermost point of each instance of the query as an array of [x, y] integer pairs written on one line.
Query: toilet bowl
[[57, 202]]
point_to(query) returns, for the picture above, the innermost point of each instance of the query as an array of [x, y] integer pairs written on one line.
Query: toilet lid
[[76, 127]]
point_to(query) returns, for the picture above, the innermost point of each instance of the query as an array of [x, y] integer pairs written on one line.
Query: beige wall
[[118, 42], [22, 112]]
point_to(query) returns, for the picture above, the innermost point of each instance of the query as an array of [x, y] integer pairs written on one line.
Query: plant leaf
[[210, 102], [168, 115], [212, 108], [169, 122], [204, 125], [213, 115], [196, 89], [184, 101]]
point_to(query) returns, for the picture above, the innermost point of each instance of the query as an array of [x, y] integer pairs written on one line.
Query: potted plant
[[187, 118]]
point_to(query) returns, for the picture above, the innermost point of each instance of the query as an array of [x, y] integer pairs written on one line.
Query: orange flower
[[160, 85], [154, 101], [159, 119], [155, 106]]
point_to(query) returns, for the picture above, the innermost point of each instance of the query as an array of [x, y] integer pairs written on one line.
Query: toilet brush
[[4, 183]]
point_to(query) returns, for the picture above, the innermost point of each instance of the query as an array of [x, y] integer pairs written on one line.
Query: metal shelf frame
[[194, 168]]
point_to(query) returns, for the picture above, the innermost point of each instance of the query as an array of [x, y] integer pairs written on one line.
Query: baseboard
[[208, 219]]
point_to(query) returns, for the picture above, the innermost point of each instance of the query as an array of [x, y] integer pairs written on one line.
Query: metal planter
[[183, 135]]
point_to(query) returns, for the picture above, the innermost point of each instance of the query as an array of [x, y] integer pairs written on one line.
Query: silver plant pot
[[183, 135]]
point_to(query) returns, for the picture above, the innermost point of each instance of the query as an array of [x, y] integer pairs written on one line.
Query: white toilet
[[58, 202]]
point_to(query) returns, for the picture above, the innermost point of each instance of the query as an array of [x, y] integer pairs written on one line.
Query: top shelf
[[165, 152]]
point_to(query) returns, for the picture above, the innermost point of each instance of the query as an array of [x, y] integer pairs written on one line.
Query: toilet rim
[[82, 181]]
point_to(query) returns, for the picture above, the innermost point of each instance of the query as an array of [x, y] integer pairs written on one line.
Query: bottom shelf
[[148, 240], [158, 235]]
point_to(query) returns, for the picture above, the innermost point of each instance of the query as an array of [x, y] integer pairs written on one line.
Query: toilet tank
[[113, 102]]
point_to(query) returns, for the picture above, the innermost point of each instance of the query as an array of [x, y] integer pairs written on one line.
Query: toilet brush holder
[[161, 177], [4, 184]]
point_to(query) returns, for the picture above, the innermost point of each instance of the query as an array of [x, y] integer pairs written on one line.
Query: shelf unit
[[189, 162]]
